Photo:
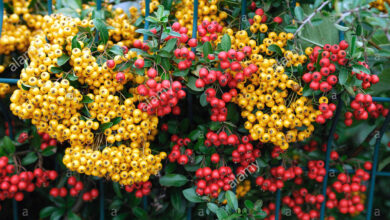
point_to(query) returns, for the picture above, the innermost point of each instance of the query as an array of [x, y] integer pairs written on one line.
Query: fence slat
[[243, 13], [49, 7], [375, 167], [8, 80], [147, 4], [277, 208], [1, 16]]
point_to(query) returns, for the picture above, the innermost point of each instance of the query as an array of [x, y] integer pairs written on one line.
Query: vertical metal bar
[[145, 202], [328, 150], [189, 211], [147, 4], [341, 34], [375, 166], [277, 208], [1, 16], [49, 7], [195, 22], [98, 5], [243, 13], [101, 199]]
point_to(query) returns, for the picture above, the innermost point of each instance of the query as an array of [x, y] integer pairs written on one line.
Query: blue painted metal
[[328, 150], [195, 23], [145, 202], [49, 7], [99, 4], [277, 205], [380, 99], [8, 80], [101, 199], [1, 16], [374, 167], [189, 212], [243, 13], [382, 173], [147, 8]]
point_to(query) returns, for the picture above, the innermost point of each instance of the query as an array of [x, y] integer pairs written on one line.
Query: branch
[[311, 16], [349, 12]]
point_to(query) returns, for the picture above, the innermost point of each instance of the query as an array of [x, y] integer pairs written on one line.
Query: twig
[[349, 12], [311, 16]]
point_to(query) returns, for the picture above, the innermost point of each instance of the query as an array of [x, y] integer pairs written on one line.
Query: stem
[[307, 20]]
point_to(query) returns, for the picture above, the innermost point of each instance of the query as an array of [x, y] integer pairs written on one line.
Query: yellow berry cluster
[[270, 105], [4, 89], [14, 36], [207, 10], [380, 4], [58, 27], [153, 5], [257, 26], [124, 32], [243, 188], [124, 164]]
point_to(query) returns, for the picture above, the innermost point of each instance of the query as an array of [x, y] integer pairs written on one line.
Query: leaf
[[298, 11], [343, 76], [221, 214], [101, 27], [68, 12], [357, 68], [48, 151], [75, 43], [341, 28], [55, 70], [29, 159], [191, 195], [353, 45], [170, 45], [194, 135], [177, 201], [105, 126], [212, 207], [117, 50], [8, 145], [117, 189], [249, 204], [140, 213], [226, 42], [73, 4], [25, 87], [203, 101], [46, 212], [73, 216], [62, 59], [191, 84], [316, 21], [231, 200], [176, 180], [121, 216], [317, 3], [359, 29], [290, 29], [383, 163], [72, 77], [86, 99], [207, 49], [116, 120], [174, 34], [173, 126], [275, 48], [181, 73]]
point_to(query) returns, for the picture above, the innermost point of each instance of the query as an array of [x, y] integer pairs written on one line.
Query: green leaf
[[170, 45], [55, 70], [195, 134], [62, 59], [341, 28], [357, 68], [75, 43], [249, 204], [46, 212], [105, 126], [191, 195], [68, 12], [86, 99], [72, 77], [203, 101], [29, 158], [317, 3], [73, 216], [191, 84], [212, 207], [117, 189], [359, 29], [298, 11], [353, 45], [275, 48], [181, 73], [221, 214], [121, 216], [231, 200], [290, 29], [173, 126], [343, 76], [207, 49], [102, 29], [8, 145], [139, 212], [116, 120], [174, 34], [25, 87], [226, 42], [117, 50], [177, 201], [48, 151], [316, 21], [176, 180], [73, 4], [383, 163]]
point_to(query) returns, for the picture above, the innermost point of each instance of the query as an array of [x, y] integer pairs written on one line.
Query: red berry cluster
[[245, 154], [91, 195], [179, 153], [76, 186], [300, 199], [279, 176], [12, 185], [161, 98], [264, 18], [363, 107], [182, 31], [211, 182], [326, 112], [22, 137], [323, 79], [141, 45], [316, 170], [142, 188], [367, 79], [276, 151], [47, 141], [270, 211], [221, 138], [208, 31], [219, 110], [311, 146]]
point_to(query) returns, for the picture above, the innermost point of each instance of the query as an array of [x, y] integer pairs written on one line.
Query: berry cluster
[[300, 199], [219, 111], [209, 31], [221, 138], [363, 107], [326, 109], [46, 140], [179, 153], [258, 22], [13, 184], [4, 87], [245, 154], [367, 79], [211, 182], [142, 188], [279, 176], [316, 170], [329, 56], [75, 188]]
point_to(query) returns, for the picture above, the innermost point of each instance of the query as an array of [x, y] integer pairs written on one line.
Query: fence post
[[1, 16], [147, 8], [277, 205], [328, 150], [243, 13], [49, 7], [375, 166]]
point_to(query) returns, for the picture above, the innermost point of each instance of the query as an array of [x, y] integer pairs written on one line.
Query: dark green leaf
[[174, 34], [48, 151], [117, 50], [170, 45], [75, 43], [249, 204], [86, 99], [317, 3], [176, 180], [26, 87], [105, 126], [73, 216], [298, 11], [194, 135], [203, 101], [139, 212], [71, 77], [316, 21], [290, 29], [191, 195], [62, 59], [117, 189], [191, 84], [231, 200], [341, 28], [8, 145], [221, 214], [55, 70], [357, 68], [212, 207], [353, 45], [275, 48], [359, 29], [102, 29], [207, 49], [343, 76], [181, 73], [173, 126], [177, 201], [29, 158], [122, 216], [226, 42], [116, 120], [46, 212]]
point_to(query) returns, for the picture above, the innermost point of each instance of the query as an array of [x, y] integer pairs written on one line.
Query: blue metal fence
[[374, 172]]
